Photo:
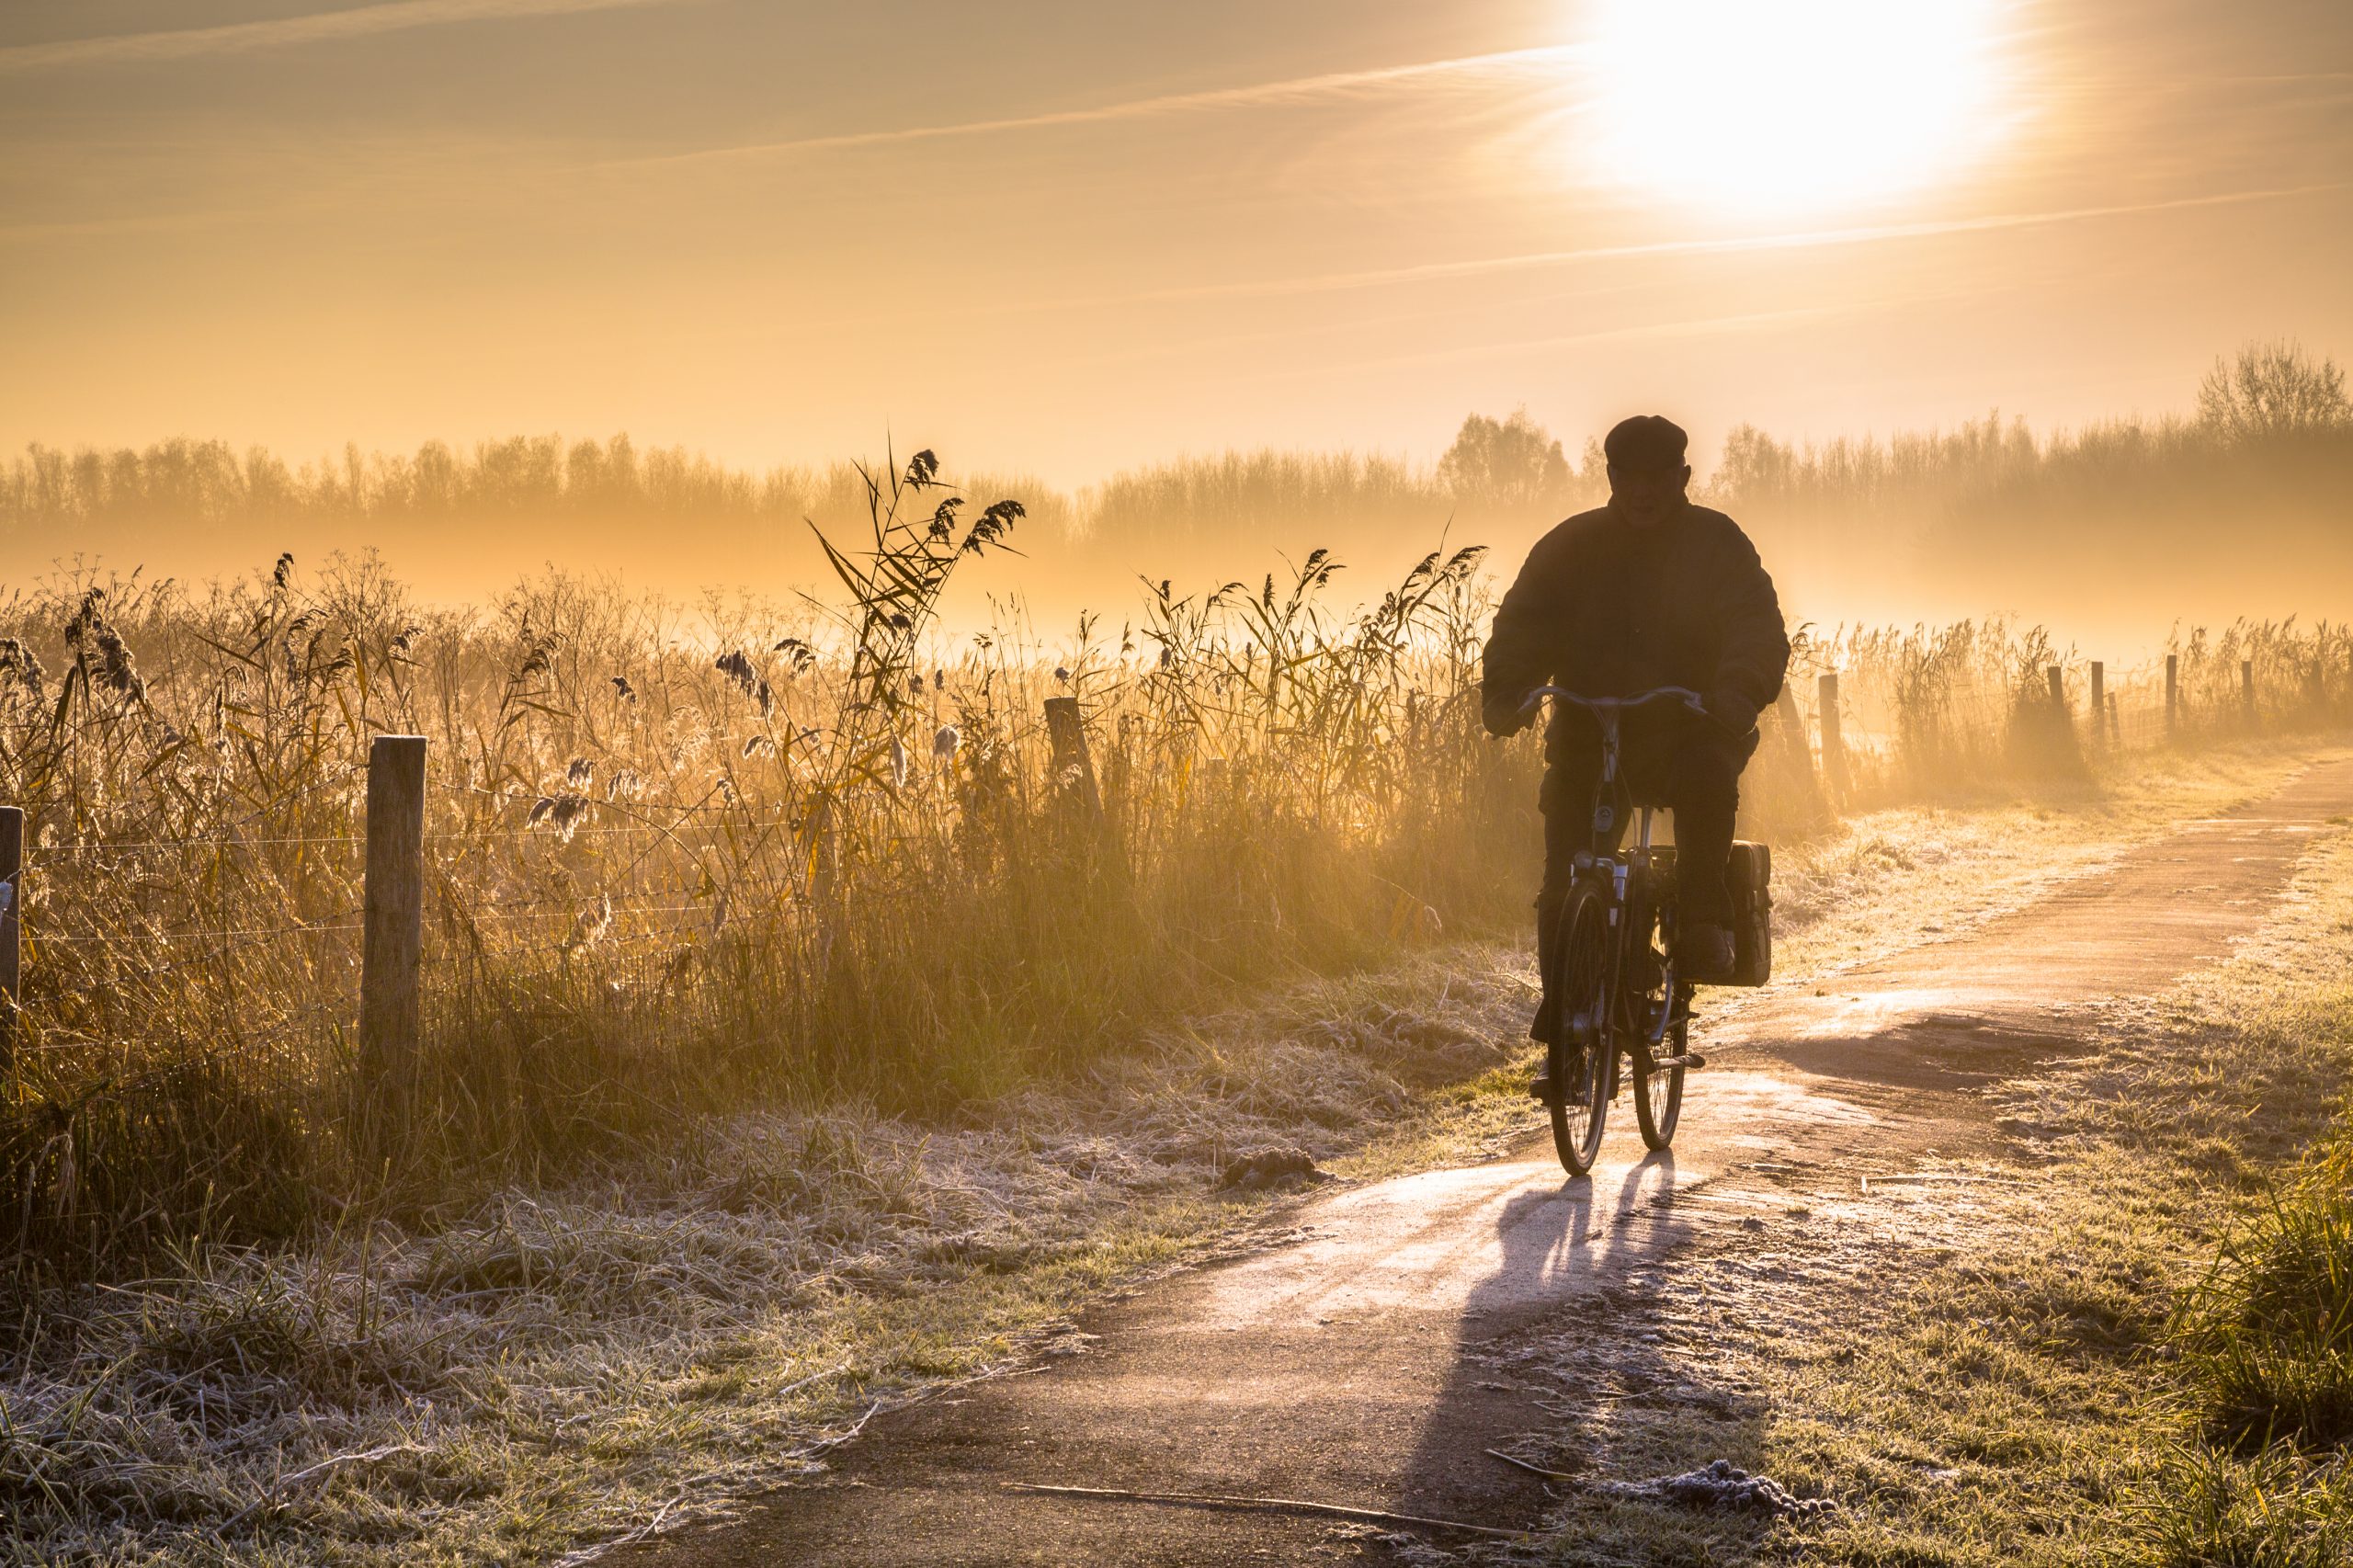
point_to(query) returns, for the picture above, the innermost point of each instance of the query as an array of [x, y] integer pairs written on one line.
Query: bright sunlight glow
[[1769, 108]]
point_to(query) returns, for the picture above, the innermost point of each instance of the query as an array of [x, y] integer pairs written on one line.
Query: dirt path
[[1366, 1363]]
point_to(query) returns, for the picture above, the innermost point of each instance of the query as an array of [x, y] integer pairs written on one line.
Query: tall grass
[[678, 864], [2267, 1336], [2264, 1361]]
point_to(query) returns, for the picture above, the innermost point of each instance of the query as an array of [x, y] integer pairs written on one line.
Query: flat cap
[[1645, 441]]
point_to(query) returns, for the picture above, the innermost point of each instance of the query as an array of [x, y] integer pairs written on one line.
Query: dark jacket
[[1609, 608]]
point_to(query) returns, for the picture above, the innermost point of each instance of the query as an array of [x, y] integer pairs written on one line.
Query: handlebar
[[1614, 704]]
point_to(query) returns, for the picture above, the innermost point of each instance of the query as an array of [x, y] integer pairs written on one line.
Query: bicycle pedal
[[1541, 1089], [1689, 1059]]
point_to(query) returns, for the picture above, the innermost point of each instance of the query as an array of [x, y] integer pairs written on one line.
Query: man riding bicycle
[[1646, 592]]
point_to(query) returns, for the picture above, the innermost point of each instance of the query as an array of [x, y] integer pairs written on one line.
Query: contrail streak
[[238, 38], [1698, 326], [1805, 239], [1253, 95]]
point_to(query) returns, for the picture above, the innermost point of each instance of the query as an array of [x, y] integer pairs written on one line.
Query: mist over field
[[2118, 531]]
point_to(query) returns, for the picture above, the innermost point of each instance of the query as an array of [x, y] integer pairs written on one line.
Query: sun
[[1773, 108]]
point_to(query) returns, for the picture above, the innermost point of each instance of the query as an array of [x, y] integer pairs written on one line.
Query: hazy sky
[[1072, 237]]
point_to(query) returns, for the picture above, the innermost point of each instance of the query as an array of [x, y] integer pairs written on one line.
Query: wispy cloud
[[1256, 94], [2288, 77], [284, 32]]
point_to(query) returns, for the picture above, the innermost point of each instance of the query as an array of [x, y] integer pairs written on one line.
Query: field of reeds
[[804, 854], [810, 853]]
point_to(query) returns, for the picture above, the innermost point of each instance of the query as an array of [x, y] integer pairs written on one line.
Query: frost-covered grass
[[558, 1366], [2125, 1348]]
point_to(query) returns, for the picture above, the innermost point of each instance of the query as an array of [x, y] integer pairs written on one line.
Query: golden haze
[[1070, 243]]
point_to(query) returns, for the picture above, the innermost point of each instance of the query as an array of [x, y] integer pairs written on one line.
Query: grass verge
[[2124, 1344]]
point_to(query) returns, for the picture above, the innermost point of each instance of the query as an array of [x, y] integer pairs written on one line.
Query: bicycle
[[1610, 967]]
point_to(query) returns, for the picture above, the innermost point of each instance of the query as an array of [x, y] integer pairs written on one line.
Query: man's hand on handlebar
[[1506, 718], [1731, 713]]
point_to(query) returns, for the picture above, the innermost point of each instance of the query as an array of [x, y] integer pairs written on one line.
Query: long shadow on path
[[1352, 1367]]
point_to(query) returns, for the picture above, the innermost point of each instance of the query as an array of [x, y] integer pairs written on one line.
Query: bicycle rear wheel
[[1581, 1049], [1659, 1091]]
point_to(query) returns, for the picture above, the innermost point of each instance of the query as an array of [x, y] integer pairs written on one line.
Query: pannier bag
[[1750, 877]]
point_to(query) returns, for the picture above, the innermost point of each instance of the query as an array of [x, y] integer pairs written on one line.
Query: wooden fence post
[[1786, 726], [392, 919], [2246, 688], [2058, 689], [2100, 701], [1074, 767], [11, 927], [1833, 734], [2172, 693]]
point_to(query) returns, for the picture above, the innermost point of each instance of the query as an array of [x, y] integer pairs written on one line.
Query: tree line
[[1985, 514]]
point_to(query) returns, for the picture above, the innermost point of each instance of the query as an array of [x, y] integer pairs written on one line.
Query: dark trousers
[[1686, 765]]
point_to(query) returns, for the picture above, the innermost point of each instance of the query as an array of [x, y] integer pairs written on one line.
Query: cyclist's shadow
[[1532, 1349]]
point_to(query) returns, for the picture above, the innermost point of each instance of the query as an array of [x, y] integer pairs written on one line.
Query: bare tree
[[1506, 464], [2272, 387], [1754, 466]]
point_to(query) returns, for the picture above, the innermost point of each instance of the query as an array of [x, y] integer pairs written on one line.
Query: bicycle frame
[[1600, 958], [1629, 881]]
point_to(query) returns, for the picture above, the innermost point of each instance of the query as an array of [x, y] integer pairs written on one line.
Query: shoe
[[1703, 953]]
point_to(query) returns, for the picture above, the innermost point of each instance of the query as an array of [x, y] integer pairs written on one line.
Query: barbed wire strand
[[43, 851], [36, 938]]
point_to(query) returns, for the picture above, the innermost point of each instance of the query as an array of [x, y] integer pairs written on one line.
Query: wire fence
[[241, 935], [2085, 708]]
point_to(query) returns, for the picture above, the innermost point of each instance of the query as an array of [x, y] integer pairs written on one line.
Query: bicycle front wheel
[[1659, 1091], [1580, 1052]]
